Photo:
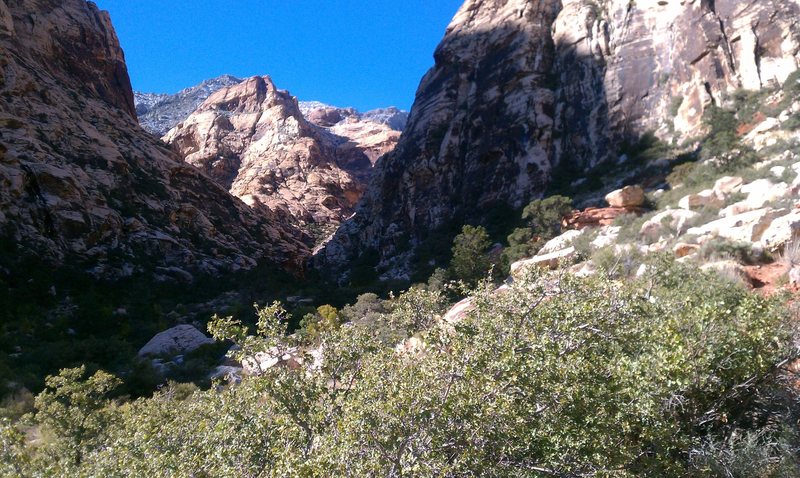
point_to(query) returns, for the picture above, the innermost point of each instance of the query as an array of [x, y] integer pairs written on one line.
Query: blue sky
[[361, 53]]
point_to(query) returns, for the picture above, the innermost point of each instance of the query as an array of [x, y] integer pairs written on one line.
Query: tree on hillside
[[470, 263]]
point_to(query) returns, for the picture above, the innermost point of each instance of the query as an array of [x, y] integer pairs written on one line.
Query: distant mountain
[[159, 113], [309, 159], [326, 115]]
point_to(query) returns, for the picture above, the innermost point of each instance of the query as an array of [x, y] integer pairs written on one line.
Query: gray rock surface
[[159, 113], [178, 340]]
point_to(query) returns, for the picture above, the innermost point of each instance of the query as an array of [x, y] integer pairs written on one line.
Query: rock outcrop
[[180, 339], [257, 142], [83, 184], [523, 90], [158, 113]]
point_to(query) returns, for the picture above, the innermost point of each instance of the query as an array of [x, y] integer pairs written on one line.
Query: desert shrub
[[751, 454], [542, 222], [793, 123], [470, 262], [645, 149], [791, 87], [314, 325], [618, 261], [720, 249], [583, 244], [555, 376]]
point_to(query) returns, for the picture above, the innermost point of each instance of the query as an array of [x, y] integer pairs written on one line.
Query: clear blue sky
[[360, 53]]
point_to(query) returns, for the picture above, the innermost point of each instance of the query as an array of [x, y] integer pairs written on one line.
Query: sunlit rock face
[[522, 88], [256, 141], [83, 184]]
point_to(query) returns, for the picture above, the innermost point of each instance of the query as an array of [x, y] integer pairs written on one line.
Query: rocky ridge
[[83, 184], [307, 159], [526, 91], [158, 113]]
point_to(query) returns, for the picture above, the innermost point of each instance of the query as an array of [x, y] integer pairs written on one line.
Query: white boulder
[[746, 227], [706, 198], [561, 242], [782, 231], [676, 219], [727, 185], [180, 339]]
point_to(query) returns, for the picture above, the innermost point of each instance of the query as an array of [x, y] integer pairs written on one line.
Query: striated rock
[[178, 340], [629, 196], [727, 185], [458, 312], [522, 89], [794, 276], [83, 184], [561, 242], [252, 138], [606, 236], [373, 133], [551, 260], [759, 193]]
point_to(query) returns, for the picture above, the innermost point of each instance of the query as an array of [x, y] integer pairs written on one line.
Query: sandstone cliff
[[83, 184], [255, 140], [522, 87]]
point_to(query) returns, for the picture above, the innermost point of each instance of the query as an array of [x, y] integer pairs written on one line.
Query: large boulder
[[759, 193], [178, 340], [629, 196], [727, 185], [551, 261], [561, 242], [706, 198], [746, 227], [782, 231], [597, 217], [675, 219]]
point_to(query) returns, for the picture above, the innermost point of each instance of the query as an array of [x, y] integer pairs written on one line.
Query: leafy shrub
[[720, 249], [469, 262], [581, 377], [542, 220]]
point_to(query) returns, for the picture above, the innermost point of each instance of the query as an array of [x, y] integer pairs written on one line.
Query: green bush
[[581, 377], [470, 262]]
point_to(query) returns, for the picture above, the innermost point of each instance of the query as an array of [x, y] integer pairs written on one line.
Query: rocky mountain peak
[[158, 113], [306, 158]]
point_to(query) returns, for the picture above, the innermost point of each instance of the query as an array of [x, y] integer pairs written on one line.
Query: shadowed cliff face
[[521, 87], [83, 184]]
